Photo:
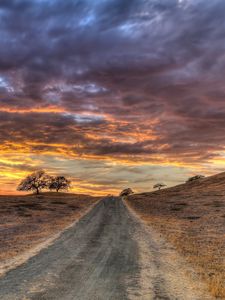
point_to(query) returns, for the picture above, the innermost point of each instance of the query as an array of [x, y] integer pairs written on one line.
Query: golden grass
[[192, 217], [26, 221]]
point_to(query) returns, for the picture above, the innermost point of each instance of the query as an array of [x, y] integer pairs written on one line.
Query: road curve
[[106, 255]]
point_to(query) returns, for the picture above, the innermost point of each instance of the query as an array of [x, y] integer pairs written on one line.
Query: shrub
[[126, 192], [194, 178], [159, 186]]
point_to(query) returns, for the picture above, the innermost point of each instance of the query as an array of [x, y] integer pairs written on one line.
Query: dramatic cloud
[[135, 83]]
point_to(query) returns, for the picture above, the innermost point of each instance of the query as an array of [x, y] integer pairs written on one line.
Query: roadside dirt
[[30, 223], [191, 217]]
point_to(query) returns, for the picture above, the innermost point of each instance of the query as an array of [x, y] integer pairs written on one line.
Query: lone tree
[[34, 182], [159, 186], [194, 178], [126, 192], [59, 183]]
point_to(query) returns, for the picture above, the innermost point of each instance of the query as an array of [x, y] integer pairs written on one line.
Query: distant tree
[[59, 183], [35, 182], [194, 178], [126, 192], [159, 186]]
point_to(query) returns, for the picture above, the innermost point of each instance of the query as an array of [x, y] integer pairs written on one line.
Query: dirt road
[[109, 254]]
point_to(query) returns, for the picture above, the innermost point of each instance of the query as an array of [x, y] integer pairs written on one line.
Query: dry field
[[191, 216], [28, 221]]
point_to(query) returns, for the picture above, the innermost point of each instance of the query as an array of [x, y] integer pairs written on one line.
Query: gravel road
[[108, 254]]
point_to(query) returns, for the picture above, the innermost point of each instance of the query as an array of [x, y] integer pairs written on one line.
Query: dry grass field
[[191, 216], [27, 221]]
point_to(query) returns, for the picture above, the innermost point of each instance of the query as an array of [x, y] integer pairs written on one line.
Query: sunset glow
[[112, 94]]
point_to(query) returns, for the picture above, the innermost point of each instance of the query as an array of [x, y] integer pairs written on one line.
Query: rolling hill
[[191, 216]]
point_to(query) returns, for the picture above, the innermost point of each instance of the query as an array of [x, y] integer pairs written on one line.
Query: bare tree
[[126, 192], [194, 178], [159, 186], [59, 183], [34, 182]]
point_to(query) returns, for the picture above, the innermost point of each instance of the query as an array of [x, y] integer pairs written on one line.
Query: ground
[[107, 255], [192, 218], [27, 222]]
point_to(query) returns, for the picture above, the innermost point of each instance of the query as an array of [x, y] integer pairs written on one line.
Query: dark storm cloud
[[52, 132], [156, 65]]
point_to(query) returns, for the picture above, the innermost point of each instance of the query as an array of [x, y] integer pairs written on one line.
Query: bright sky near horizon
[[112, 93]]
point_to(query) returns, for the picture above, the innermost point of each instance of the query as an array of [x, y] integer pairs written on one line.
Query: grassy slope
[[26, 221], [192, 217]]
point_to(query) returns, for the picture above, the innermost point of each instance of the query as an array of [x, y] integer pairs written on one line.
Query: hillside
[[191, 216]]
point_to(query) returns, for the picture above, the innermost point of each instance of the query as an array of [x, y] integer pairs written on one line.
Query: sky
[[112, 93]]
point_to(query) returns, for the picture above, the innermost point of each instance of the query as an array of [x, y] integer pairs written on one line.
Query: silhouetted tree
[[59, 183], [126, 192], [194, 178], [34, 182], [159, 186]]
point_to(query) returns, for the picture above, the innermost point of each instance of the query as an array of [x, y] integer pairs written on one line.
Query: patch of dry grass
[[192, 217], [26, 221]]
